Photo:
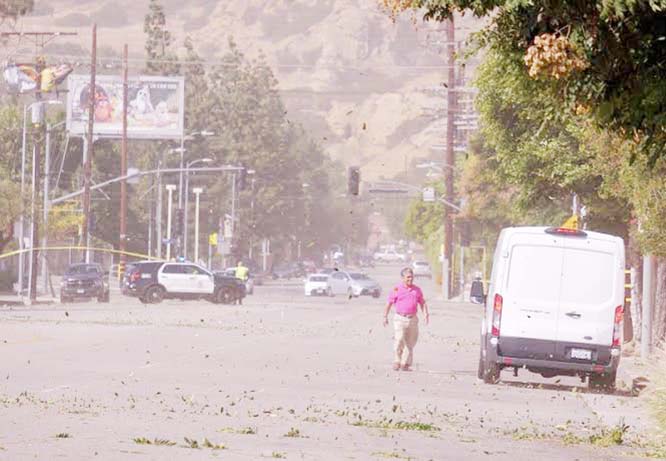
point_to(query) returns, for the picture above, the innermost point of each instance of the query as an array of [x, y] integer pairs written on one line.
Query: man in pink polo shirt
[[406, 298]]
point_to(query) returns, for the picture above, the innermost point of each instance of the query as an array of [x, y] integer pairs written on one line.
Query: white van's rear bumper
[[540, 355]]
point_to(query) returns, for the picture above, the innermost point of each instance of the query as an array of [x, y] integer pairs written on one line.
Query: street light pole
[[158, 209], [187, 200], [204, 133], [170, 188], [47, 172], [180, 175], [197, 191], [22, 217]]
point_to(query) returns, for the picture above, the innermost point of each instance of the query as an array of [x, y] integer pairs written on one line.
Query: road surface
[[282, 377]]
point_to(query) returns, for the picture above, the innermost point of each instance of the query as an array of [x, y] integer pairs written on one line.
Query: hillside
[[353, 77]]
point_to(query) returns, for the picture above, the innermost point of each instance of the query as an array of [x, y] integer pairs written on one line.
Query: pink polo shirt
[[406, 299]]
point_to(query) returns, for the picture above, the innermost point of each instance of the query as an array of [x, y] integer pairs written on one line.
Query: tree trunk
[[659, 327]]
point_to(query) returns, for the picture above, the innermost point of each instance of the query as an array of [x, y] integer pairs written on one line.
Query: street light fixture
[[187, 199], [181, 150]]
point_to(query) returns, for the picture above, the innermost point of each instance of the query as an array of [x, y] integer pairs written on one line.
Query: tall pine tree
[[161, 60]]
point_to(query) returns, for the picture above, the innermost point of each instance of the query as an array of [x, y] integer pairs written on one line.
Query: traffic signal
[[180, 222], [353, 180]]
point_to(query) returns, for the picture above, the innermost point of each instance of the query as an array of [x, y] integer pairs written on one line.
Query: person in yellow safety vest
[[242, 272]]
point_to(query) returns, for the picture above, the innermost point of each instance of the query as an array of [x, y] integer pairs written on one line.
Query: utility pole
[[89, 146], [122, 244], [36, 163], [449, 160]]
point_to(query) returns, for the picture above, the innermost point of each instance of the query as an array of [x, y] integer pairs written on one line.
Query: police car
[[154, 281]]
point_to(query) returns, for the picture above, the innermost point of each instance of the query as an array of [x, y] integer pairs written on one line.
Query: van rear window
[[587, 276], [534, 272]]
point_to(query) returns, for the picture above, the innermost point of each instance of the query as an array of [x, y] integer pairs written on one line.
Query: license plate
[[583, 354], [80, 290]]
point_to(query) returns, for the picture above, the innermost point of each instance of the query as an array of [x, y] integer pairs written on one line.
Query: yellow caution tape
[[56, 248]]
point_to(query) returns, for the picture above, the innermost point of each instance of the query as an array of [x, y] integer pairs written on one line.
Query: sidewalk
[[8, 299], [634, 372]]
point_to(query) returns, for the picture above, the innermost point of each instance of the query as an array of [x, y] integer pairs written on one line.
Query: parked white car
[[422, 269], [353, 284], [317, 285], [555, 305], [362, 285], [390, 256]]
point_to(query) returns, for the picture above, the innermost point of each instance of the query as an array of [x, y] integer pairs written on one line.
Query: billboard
[[156, 106]]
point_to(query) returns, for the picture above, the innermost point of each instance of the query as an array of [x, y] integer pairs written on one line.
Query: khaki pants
[[406, 334]]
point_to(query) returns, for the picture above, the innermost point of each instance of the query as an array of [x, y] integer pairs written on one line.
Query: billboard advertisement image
[[155, 106]]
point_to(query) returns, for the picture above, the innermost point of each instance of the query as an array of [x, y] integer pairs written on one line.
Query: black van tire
[[491, 373], [154, 294], [603, 382]]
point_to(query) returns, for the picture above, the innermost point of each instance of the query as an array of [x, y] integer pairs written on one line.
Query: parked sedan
[[317, 285], [362, 285], [422, 269], [353, 284]]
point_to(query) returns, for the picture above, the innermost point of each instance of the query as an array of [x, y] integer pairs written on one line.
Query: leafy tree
[[605, 58], [161, 60], [10, 167]]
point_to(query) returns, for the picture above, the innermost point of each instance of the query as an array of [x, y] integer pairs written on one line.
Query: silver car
[[421, 269]]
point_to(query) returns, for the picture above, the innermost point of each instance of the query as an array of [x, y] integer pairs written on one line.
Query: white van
[[555, 305]]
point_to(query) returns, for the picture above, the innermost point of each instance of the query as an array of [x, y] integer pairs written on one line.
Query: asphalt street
[[284, 376]]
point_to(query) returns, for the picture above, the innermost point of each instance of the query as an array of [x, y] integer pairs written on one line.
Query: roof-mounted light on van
[[565, 231]]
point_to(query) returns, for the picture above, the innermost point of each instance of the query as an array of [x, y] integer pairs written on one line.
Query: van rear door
[[591, 271], [532, 291]]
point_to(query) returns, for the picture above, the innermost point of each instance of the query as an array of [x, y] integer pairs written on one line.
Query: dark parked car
[[84, 280], [152, 282]]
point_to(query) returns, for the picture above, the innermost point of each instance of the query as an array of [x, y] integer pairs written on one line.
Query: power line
[[225, 63]]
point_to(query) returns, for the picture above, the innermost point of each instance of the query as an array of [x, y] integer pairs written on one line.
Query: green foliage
[[161, 60], [621, 43]]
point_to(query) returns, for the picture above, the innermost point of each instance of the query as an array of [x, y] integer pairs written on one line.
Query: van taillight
[[134, 276], [617, 326], [497, 314]]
